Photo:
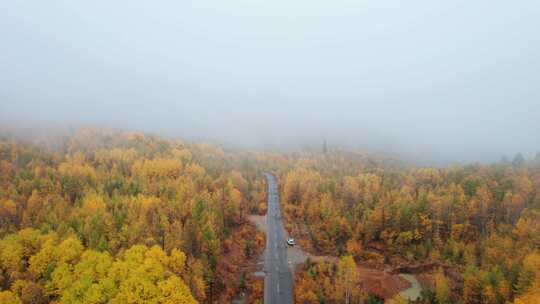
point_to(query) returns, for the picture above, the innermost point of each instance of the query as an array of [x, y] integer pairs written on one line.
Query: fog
[[439, 81]]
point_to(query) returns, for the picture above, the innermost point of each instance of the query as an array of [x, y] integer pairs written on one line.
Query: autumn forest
[[107, 216]]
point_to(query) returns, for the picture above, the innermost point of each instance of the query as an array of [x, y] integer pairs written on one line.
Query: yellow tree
[[346, 279], [8, 215], [351, 191], [442, 290], [8, 297], [472, 290], [531, 268], [174, 291]]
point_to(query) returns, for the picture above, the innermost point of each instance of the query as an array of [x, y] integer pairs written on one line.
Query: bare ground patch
[[381, 283]]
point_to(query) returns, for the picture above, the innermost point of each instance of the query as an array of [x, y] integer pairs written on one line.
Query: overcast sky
[[438, 80]]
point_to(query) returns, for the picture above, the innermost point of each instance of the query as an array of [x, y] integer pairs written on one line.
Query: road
[[278, 286]]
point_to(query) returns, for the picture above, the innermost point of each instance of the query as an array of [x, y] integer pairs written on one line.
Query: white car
[[290, 241]]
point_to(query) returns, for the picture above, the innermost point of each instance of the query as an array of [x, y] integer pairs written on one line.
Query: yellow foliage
[[195, 170], [93, 203], [7, 297], [174, 291], [156, 253], [157, 168], [40, 262], [182, 154], [11, 254], [8, 208], [177, 261], [70, 250], [346, 278], [532, 295], [116, 155], [442, 289], [77, 170], [396, 300], [529, 298]]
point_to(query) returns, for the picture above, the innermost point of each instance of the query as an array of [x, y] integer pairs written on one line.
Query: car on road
[[290, 241]]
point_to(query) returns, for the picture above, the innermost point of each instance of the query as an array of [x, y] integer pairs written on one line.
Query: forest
[[101, 216], [106, 216], [471, 232]]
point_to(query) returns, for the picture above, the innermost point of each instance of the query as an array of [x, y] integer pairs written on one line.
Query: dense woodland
[[477, 226], [108, 217], [102, 216]]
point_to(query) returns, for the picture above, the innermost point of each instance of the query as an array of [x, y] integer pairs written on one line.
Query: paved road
[[278, 286]]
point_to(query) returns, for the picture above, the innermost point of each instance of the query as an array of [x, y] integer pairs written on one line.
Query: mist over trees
[[404, 138], [392, 77]]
